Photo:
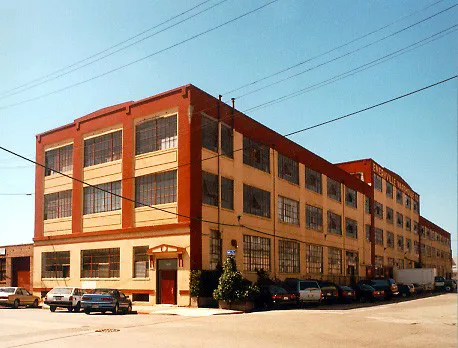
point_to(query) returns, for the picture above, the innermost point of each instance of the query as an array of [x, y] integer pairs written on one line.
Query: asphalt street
[[426, 322]]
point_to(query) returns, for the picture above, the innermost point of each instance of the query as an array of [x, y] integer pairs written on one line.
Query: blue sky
[[415, 137]]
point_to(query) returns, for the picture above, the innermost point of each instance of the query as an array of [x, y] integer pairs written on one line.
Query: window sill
[[101, 165], [258, 216], [56, 175], [92, 279], [261, 170], [65, 278], [140, 279], [289, 182], [154, 153], [289, 223]]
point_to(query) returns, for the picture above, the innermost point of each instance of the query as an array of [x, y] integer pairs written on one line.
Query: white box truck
[[422, 276]]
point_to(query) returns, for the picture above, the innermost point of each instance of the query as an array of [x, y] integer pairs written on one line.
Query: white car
[[64, 297]]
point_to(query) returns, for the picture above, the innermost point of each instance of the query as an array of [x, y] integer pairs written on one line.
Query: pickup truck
[[307, 291]]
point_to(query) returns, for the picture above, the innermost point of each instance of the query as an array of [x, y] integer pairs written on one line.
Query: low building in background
[[15, 266], [198, 180]]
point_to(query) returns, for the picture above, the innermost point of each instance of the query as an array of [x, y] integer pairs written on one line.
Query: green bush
[[195, 283]]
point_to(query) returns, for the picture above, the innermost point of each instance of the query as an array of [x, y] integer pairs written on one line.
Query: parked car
[[346, 294], [307, 291], [365, 292], [406, 290], [388, 285], [103, 300], [450, 285], [329, 291], [15, 297], [64, 297], [439, 283], [272, 296]]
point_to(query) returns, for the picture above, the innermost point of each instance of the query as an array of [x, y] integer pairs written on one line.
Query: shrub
[[195, 283]]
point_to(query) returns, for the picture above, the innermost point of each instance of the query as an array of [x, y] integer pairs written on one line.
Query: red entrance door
[[168, 286]]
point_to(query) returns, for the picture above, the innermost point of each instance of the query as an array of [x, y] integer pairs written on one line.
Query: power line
[[345, 54], [141, 59], [331, 50], [103, 51], [114, 52], [17, 194], [214, 222]]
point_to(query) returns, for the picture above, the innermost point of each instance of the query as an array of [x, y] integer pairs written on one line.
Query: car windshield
[[63, 291], [392, 281], [366, 287], [346, 288], [104, 291], [379, 282], [8, 290], [307, 285]]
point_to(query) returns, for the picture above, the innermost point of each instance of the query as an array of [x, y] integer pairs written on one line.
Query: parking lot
[[424, 322]]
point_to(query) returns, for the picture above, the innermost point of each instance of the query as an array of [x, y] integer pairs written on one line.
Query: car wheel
[[16, 304], [448, 288], [362, 299], [404, 294], [35, 304], [77, 308], [87, 311], [115, 309], [128, 310], [52, 308]]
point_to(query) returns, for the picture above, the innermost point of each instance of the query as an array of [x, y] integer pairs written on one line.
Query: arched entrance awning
[[166, 250]]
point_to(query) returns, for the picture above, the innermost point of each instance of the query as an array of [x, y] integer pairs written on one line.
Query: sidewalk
[[183, 311]]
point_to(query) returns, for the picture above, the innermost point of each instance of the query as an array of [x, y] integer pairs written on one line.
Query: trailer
[[422, 276]]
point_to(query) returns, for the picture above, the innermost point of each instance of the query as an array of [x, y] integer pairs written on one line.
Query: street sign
[[230, 253]]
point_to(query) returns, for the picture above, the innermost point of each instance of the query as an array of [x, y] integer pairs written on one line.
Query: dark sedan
[[106, 300], [406, 290], [346, 294], [365, 292], [329, 291], [272, 296]]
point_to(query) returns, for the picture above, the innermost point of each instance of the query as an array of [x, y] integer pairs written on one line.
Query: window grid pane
[[351, 228], [141, 262], [351, 197], [102, 198], [153, 189], [215, 249], [227, 193], [314, 259], [60, 159], [256, 201], [210, 191], [288, 257], [334, 223], [100, 263], [156, 134], [334, 189], [288, 210], [227, 141], [314, 218], [209, 133], [55, 264], [102, 149], [334, 261], [256, 155], [256, 253], [288, 169], [58, 205]]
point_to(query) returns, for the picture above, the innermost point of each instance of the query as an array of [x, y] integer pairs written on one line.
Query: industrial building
[[199, 178]]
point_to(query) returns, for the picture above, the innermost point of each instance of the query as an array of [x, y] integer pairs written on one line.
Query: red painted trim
[[77, 187], [184, 292], [128, 172], [39, 192], [431, 225]]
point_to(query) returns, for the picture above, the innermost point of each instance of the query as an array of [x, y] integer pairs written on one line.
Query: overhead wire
[[141, 59], [113, 52], [104, 50]]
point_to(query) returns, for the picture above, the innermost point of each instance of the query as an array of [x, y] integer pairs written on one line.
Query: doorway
[[167, 281]]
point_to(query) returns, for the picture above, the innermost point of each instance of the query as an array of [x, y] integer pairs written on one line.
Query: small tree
[[231, 287]]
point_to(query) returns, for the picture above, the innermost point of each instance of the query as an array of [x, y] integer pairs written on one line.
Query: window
[[416, 206], [288, 256], [100, 263], [210, 133], [102, 149], [2, 270], [256, 155], [288, 169], [334, 223], [351, 228], [390, 261], [288, 210], [408, 202], [378, 261], [256, 201], [55, 264], [227, 141], [101, 198], [379, 236], [156, 189], [351, 197], [398, 196], [313, 180], [334, 190], [390, 240], [215, 249], [408, 224], [58, 205], [256, 253], [368, 232], [334, 261], [314, 218], [409, 245], [60, 159], [389, 190], [210, 192], [378, 210], [399, 263], [416, 247], [367, 205], [227, 193], [400, 243], [141, 262], [157, 134], [399, 220], [352, 260], [389, 215], [314, 259], [378, 183]]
